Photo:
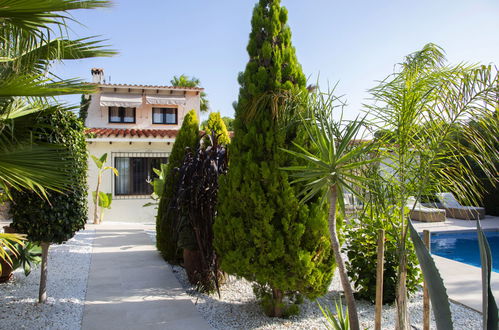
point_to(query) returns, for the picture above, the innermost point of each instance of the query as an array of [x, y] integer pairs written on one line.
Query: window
[[121, 115], [164, 115], [135, 173]]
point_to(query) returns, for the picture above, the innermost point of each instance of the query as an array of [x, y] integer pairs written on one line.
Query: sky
[[352, 43]]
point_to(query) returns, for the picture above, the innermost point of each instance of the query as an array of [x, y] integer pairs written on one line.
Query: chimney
[[97, 75]]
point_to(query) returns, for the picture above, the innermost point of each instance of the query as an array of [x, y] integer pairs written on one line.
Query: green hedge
[[56, 220]]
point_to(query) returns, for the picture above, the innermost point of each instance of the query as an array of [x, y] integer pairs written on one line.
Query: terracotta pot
[[192, 265], [8, 230], [6, 272]]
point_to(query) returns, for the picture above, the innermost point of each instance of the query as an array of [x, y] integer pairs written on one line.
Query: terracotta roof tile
[[125, 132]]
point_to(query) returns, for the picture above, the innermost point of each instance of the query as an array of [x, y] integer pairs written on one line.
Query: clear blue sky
[[354, 43]]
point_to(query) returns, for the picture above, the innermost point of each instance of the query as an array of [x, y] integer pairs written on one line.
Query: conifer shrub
[[262, 232], [216, 125], [166, 234]]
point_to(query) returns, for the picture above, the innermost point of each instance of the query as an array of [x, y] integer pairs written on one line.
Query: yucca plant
[[338, 321], [331, 164]]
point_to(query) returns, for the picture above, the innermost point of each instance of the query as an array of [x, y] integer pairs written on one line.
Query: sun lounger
[[351, 205], [457, 211], [423, 213]]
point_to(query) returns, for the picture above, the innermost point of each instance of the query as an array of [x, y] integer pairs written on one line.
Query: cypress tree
[[217, 125], [262, 232], [166, 238]]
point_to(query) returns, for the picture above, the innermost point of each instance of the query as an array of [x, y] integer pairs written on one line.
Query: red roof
[[126, 132]]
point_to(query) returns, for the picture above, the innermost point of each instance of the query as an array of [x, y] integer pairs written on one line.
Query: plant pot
[[6, 272], [192, 265], [8, 230]]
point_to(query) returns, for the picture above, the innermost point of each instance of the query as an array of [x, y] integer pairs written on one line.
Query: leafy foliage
[[185, 81], [32, 37], [330, 167], [27, 256], [216, 125], [197, 202], [67, 212], [262, 232], [361, 249], [424, 104], [166, 235], [84, 105], [229, 123], [338, 321], [158, 185], [8, 251], [101, 200]]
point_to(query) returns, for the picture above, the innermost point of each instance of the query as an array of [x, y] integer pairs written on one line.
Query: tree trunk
[[276, 303], [42, 294], [402, 315], [335, 244], [96, 205]]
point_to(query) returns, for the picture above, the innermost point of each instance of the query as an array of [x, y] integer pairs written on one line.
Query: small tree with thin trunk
[[59, 219]]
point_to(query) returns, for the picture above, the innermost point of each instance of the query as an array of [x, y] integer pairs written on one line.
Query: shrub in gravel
[[166, 235], [262, 232], [57, 219], [361, 249]]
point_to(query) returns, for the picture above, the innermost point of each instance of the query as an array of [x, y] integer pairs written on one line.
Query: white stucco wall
[[99, 116], [122, 210]]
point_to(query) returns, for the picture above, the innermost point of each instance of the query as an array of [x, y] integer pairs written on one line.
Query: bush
[[216, 125], [361, 249], [166, 235], [262, 231], [197, 202], [59, 219]]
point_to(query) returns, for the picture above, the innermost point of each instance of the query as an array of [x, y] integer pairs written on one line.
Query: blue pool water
[[463, 247]]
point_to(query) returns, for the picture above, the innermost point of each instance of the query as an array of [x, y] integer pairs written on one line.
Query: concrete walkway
[[131, 287]]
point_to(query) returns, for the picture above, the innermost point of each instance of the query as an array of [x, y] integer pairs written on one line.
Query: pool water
[[463, 247]]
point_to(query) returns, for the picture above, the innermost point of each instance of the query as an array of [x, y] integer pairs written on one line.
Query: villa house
[[136, 126]]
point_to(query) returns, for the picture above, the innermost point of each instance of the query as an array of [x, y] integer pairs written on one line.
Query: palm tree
[[32, 36], [330, 168], [424, 106], [185, 81]]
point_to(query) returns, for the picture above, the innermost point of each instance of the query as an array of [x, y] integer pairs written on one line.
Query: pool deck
[[463, 282]]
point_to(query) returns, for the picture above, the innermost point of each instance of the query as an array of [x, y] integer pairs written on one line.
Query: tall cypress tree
[[262, 232], [166, 238]]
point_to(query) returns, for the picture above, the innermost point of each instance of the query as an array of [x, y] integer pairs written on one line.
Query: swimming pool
[[463, 247]]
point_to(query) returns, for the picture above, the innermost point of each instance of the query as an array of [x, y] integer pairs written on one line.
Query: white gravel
[[238, 309], [68, 267]]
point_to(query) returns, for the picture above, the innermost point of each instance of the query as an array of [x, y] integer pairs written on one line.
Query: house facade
[[136, 126]]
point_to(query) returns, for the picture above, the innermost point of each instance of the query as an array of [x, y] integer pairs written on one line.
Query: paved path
[[131, 287]]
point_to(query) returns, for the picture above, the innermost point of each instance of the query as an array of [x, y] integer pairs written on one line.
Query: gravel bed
[[68, 267], [238, 309]]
